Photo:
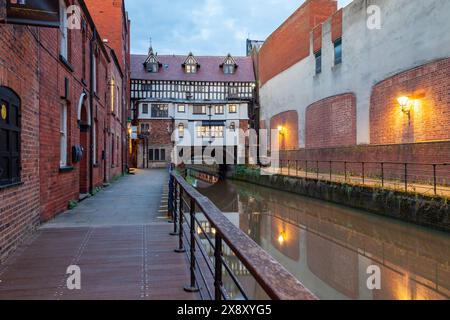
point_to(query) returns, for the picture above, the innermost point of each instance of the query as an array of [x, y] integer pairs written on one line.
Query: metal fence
[[423, 178], [209, 241]]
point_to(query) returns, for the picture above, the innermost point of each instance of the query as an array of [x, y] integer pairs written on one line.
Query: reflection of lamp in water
[[282, 238]]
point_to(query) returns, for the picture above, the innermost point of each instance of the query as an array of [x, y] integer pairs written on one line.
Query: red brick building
[[64, 110], [19, 136], [331, 79]]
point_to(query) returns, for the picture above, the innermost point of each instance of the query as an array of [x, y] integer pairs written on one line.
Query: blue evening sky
[[205, 27]]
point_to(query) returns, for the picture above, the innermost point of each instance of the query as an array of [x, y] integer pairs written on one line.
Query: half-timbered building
[[201, 95]]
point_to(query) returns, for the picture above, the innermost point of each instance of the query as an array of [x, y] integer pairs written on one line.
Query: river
[[333, 250]]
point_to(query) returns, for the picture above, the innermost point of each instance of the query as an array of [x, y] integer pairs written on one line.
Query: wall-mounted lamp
[[282, 237], [405, 104], [281, 130]]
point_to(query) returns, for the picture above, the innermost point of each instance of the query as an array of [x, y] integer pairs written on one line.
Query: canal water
[[334, 250]]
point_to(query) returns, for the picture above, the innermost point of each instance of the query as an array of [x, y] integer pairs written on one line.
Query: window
[[94, 74], [145, 108], [63, 30], [191, 68], [338, 52], [210, 131], [229, 65], [63, 135], [9, 137], [181, 130], [181, 108], [318, 57], [117, 106], [153, 67], [199, 109], [160, 111], [228, 69], [157, 154], [113, 98], [232, 108], [219, 110], [145, 128]]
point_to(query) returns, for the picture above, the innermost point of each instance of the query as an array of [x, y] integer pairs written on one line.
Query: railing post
[[435, 179], [363, 173], [289, 167], [174, 211], [345, 171], [382, 175], [306, 169], [180, 225], [218, 268], [331, 171], [296, 167], [406, 177], [170, 201], [317, 167], [193, 286]]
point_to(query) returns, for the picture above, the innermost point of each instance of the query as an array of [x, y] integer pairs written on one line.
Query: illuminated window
[[210, 131], [181, 130], [219, 110], [160, 111], [232, 108], [181, 108]]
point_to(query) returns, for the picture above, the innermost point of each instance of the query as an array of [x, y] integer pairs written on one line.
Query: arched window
[[10, 124], [181, 130]]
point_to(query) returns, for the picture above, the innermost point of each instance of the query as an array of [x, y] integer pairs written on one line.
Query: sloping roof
[[171, 69]]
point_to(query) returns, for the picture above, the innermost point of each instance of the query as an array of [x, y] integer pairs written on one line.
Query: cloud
[[215, 27]]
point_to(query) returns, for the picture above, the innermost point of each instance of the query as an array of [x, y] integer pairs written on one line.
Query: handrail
[[274, 279], [426, 178]]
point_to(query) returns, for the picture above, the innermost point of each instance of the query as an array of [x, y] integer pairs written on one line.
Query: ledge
[[66, 63], [66, 169], [96, 165], [11, 185]]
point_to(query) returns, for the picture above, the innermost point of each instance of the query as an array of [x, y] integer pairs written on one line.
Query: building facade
[[200, 97], [334, 78], [57, 108]]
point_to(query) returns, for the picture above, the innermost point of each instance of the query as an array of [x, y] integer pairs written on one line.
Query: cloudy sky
[[215, 27]]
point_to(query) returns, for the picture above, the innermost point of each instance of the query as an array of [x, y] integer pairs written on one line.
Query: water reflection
[[329, 248]]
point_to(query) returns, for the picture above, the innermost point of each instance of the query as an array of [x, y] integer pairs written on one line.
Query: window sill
[[11, 185], [66, 63], [66, 169]]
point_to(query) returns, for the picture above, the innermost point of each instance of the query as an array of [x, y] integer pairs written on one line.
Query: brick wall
[[290, 42], [19, 205], [289, 122], [331, 122], [430, 117], [58, 187]]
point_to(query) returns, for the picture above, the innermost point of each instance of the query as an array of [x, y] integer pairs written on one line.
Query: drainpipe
[[91, 103]]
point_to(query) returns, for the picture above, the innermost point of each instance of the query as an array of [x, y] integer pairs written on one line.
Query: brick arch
[[428, 86], [289, 121], [331, 122]]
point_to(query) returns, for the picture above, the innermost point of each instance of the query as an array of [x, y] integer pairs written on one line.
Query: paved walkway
[[119, 239]]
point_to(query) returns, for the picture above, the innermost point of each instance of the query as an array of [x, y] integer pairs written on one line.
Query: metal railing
[[423, 178], [208, 267]]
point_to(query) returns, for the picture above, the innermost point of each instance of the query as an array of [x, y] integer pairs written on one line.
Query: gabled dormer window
[[191, 65], [229, 65], [151, 63]]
